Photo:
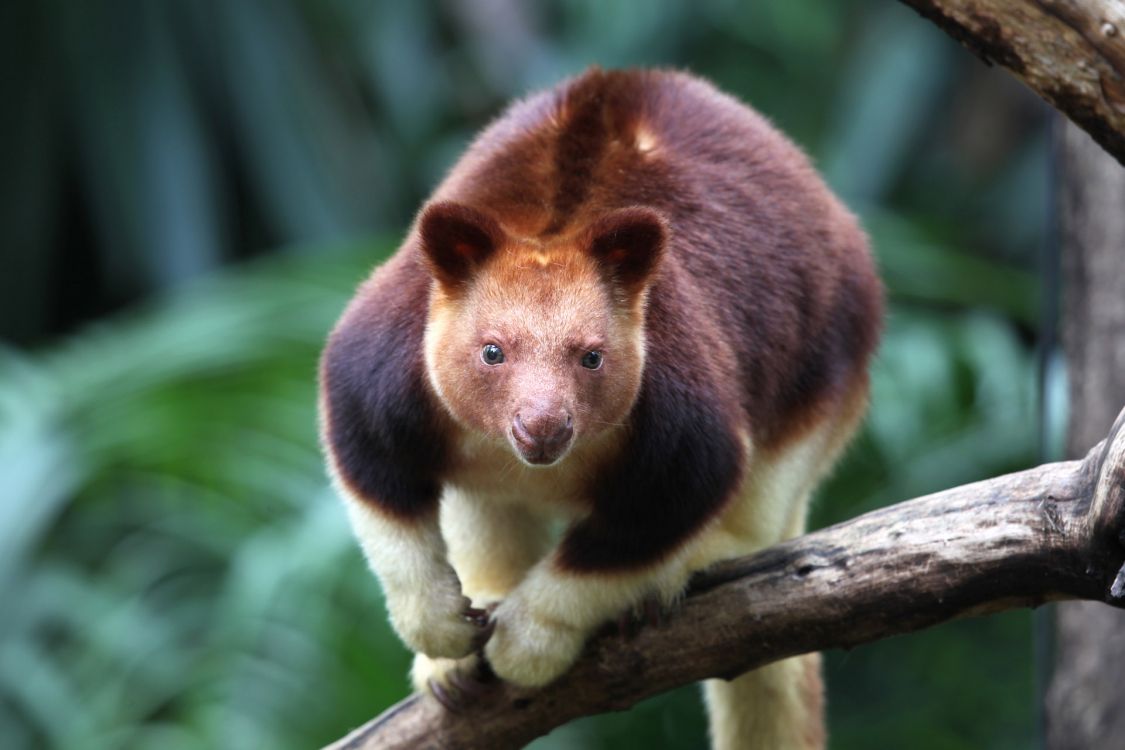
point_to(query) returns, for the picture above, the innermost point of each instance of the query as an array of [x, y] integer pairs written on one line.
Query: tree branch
[[1049, 533], [1070, 52]]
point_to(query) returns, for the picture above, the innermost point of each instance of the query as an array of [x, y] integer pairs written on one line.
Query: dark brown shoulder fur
[[381, 424]]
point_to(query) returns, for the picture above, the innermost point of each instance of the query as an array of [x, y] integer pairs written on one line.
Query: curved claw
[[461, 685], [448, 698], [474, 681], [478, 617]]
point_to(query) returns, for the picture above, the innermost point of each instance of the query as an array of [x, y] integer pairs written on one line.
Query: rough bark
[[1070, 52], [1053, 532], [1085, 704]]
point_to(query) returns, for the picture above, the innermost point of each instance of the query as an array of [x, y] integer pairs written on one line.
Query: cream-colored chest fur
[[489, 471], [499, 516]]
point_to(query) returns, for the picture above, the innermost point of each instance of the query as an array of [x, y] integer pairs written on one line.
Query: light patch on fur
[[645, 140], [540, 258], [442, 317]]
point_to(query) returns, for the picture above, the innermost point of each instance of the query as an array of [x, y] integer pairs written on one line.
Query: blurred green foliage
[[175, 572]]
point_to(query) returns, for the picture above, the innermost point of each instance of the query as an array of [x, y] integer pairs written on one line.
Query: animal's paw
[[528, 649], [436, 620], [454, 683]]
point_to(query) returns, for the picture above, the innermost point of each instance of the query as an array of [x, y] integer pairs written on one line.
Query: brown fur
[[765, 259], [644, 216]]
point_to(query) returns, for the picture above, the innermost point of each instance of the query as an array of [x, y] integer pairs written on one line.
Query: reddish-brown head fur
[[538, 341]]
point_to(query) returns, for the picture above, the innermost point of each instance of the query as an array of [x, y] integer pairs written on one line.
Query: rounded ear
[[456, 240], [628, 244]]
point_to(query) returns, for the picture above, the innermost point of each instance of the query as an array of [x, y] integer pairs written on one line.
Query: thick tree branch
[[1053, 532], [1070, 52]]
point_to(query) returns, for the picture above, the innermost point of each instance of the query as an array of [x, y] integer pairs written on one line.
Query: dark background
[[191, 190]]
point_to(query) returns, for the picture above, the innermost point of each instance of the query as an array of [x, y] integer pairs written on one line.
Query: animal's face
[[538, 345]]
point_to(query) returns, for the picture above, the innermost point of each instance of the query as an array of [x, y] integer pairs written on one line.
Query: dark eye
[[592, 360], [491, 354]]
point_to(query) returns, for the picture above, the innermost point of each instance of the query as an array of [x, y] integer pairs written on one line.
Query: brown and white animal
[[634, 306]]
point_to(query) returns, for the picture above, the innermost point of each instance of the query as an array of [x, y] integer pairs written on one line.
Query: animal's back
[[764, 266]]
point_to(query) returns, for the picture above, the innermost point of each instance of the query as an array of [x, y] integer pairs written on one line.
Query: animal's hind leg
[[779, 706], [491, 546]]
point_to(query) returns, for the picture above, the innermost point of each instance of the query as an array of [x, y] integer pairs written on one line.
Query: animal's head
[[540, 344]]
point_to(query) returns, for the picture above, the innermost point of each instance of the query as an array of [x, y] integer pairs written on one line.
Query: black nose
[[543, 433]]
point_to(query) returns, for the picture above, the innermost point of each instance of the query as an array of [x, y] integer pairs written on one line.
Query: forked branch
[[1049, 533]]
